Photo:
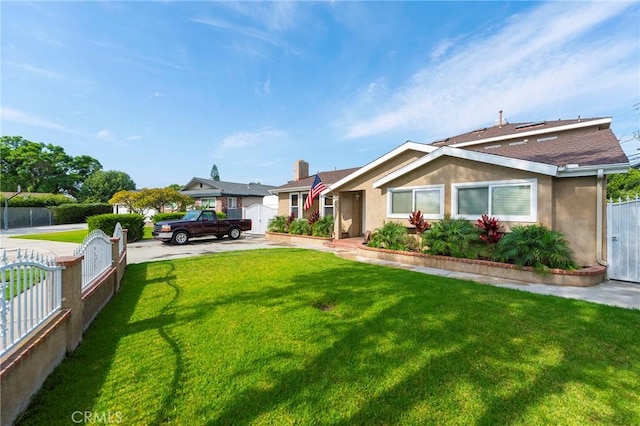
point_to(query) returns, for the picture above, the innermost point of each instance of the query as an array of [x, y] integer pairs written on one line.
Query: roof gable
[[327, 177], [408, 145], [213, 188]]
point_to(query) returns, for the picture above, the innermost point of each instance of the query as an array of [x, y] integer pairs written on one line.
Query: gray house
[[228, 197]]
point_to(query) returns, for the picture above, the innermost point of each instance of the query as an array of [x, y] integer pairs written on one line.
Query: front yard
[[292, 336]]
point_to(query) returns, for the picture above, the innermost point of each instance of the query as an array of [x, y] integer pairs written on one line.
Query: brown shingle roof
[[327, 178], [594, 145]]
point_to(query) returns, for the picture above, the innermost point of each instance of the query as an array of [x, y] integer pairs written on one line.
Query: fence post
[[115, 262], [72, 297]]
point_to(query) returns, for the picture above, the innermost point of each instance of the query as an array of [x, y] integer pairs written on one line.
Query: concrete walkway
[[615, 293]]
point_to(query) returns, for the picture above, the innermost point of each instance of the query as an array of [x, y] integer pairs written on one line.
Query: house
[[293, 194], [548, 172], [229, 197]]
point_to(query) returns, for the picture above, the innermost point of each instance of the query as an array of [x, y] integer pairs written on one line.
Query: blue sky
[[164, 90]]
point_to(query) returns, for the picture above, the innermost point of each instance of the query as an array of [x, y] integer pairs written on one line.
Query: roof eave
[[592, 170]]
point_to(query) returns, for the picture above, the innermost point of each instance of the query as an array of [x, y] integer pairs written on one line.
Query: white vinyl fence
[[96, 249], [31, 286], [118, 233], [623, 240]]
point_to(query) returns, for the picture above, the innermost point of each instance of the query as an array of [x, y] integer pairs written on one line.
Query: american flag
[[316, 188]]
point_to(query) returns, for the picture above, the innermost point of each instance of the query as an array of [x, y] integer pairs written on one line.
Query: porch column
[[337, 216]]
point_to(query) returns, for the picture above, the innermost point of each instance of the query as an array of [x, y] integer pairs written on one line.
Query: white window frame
[[324, 205], [208, 203], [232, 203], [298, 206], [413, 190], [533, 202]]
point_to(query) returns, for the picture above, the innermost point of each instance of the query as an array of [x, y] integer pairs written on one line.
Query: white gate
[[623, 240], [260, 216]]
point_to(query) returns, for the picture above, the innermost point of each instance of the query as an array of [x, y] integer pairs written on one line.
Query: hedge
[[134, 223], [78, 213], [159, 217], [38, 200]]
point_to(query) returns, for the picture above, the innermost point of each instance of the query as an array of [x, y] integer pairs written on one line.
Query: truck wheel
[[180, 238], [234, 233]]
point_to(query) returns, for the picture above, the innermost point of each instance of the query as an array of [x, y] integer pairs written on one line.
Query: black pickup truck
[[199, 223]]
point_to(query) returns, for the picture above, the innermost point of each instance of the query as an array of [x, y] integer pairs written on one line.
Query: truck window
[[192, 215], [207, 216]]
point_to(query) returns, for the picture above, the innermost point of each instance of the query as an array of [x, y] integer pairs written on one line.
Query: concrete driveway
[[615, 293]]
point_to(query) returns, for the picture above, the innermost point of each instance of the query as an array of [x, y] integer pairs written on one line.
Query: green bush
[[159, 217], [38, 200], [452, 237], [300, 227], [323, 227], [278, 224], [391, 236], [536, 246], [134, 223], [78, 213]]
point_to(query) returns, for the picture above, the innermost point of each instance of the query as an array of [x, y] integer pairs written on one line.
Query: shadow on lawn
[[470, 354], [395, 347]]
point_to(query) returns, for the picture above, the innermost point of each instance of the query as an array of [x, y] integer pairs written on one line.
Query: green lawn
[[292, 336], [77, 236]]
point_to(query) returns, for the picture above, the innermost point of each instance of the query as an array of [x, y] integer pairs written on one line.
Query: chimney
[[500, 118], [300, 170]]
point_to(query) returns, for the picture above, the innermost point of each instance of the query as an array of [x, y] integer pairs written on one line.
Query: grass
[[292, 336], [76, 236]]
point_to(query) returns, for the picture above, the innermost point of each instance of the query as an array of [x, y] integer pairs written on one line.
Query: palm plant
[[392, 236], [278, 224], [452, 237], [536, 246], [323, 227]]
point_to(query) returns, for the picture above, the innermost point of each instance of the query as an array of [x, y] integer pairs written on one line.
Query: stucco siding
[[575, 215]]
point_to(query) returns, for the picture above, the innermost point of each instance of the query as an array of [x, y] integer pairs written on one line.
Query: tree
[[214, 173], [623, 185], [100, 186], [39, 167], [154, 198]]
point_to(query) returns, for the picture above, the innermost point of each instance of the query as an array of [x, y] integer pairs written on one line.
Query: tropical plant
[[300, 227], [313, 217], [391, 236], [323, 227], [537, 246], [416, 219], [289, 220], [452, 237], [278, 224], [491, 229]]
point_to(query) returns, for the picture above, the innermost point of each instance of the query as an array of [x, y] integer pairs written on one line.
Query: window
[[514, 200], [232, 203], [428, 199], [327, 206], [208, 203], [293, 204]]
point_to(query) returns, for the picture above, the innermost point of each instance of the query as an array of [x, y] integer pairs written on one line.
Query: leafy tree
[[214, 173], [100, 186], [39, 167], [154, 198], [624, 185], [175, 186]]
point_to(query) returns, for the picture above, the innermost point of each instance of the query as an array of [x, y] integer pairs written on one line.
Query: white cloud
[[15, 116], [134, 138], [550, 62], [104, 134], [43, 72], [263, 89], [242, 140]]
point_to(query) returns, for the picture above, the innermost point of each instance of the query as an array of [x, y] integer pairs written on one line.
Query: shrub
[[38, 200], [134, 223], [391, 236], [452, 237], [300, 227], [78, 213], [313, 218], [536, 246], [323, 227], [416, 219], [159, 217], [278, 224], [490, 232]]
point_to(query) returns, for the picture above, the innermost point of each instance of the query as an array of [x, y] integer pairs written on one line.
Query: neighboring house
[[293, 194], [549, 172], [228, 197]]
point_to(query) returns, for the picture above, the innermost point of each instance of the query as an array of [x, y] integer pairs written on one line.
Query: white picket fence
[[623, 240], [118, 233], [96, 249], [31, 286]]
